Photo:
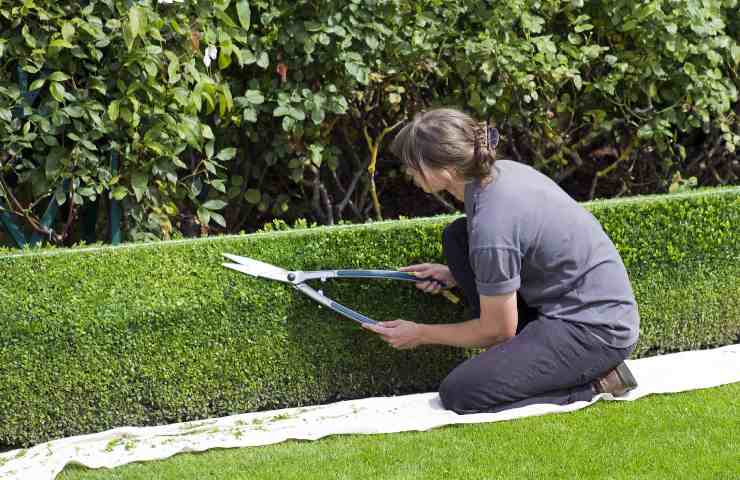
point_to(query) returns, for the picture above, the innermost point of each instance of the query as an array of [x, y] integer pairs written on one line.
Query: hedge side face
[[157, 333]]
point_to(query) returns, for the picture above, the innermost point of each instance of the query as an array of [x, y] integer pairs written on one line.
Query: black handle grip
[[388, 274]]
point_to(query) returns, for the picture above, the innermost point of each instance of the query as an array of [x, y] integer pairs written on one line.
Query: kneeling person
[[551, 299]]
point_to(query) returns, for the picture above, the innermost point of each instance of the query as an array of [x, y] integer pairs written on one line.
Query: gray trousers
[[547, 361]]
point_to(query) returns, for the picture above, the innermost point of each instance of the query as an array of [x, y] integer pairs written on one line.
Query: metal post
[[115, 207], [49, 215], [7, 221]]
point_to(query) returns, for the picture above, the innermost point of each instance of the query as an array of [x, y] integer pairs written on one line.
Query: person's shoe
[[617, 381]]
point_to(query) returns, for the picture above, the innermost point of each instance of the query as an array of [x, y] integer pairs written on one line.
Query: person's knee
[[455, 394]]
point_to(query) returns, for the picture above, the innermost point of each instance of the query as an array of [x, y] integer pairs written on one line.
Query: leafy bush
[[227, 114], [153, 333]]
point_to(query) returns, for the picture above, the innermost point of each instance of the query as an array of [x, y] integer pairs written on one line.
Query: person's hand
[[437, 271], [400, 334]]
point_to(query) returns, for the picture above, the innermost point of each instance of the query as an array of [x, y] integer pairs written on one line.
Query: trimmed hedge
[[152, 333]]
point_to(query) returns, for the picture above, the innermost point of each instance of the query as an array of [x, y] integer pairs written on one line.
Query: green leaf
[[218, 218], [119, 193], [224, 56], [60, 43], [36, 84], [211, 167], [6, 114], [254, 97], [113, 109], [214, 204], [173, 68], [74, 111], [299, 115], [219, 185], [30, 40], [226, 101], [196, 187], [59, 77], [204, 215], [246, 56], [137, 21], [288, 124], [316, 154], [68, 31], [250, 115], [207, 132], [253, 196], [140, 183], [263, 61], [226, 154], [60, 195], [52, 166], [318, 115], [244, 13], [57, 91]]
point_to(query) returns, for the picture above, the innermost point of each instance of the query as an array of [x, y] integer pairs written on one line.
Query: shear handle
[[337, 307], [386, 274]]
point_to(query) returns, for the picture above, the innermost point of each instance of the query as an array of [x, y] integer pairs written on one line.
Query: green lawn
[[690, 435]]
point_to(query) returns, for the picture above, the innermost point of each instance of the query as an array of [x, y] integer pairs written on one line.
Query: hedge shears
[[298, 280]]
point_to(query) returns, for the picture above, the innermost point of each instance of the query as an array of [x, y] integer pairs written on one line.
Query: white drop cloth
[[661, 374]]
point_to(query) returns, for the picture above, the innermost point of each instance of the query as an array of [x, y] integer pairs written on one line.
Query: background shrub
[[227, 114]]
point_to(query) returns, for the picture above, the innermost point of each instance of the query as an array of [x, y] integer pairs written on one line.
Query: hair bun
[[486, 141]]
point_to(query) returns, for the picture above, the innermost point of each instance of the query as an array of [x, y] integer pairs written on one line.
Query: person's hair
[[446, 138]]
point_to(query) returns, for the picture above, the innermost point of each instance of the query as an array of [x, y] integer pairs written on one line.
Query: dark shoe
[[616, 382]]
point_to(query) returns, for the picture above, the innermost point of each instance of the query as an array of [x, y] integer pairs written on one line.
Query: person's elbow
[[495, 336], [498, 321]]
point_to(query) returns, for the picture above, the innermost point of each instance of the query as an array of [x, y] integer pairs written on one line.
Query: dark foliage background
[[225, 115]]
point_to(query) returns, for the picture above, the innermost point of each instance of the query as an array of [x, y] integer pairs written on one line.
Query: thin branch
[[21, 211], [704, 153], [71, 216], [512, 143], [327, 203], [347, 193]]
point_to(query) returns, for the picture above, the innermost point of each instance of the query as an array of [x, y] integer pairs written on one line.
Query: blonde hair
[[446, 138]]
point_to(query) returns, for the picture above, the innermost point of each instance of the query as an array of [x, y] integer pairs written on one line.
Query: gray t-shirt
[[526, 234]]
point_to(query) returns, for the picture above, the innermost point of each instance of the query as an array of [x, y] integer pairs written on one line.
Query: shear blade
[[256, 268]]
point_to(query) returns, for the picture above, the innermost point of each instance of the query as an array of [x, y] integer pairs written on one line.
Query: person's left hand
[[400, 334]]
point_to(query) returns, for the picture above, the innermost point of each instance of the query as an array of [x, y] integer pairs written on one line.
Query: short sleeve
[[497, 269]]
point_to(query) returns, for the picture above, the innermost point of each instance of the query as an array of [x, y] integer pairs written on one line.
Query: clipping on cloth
[[676, 372]]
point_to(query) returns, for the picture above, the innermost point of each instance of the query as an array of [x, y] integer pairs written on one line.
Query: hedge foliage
[[153, 333], [228, 113]]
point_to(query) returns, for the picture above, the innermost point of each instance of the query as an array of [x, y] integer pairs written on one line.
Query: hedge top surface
[[596, 204]]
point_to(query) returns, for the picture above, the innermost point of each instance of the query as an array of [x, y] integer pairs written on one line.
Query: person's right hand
[[437, 271]]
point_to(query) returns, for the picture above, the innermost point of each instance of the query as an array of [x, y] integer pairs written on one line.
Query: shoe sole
[[626, 377]]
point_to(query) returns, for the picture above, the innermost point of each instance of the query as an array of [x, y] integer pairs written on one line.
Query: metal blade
[[256, 268]]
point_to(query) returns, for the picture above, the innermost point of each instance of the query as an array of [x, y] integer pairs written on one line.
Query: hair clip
[[492, 136]]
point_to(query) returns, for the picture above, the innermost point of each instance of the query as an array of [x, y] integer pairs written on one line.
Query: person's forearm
[[463, 334]]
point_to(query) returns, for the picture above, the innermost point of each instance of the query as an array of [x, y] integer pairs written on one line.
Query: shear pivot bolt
[[291, 276]]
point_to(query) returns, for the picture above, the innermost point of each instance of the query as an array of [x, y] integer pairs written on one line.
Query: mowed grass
[[689, 435]]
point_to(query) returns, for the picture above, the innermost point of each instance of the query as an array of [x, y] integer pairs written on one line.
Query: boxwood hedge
[[151, 333]]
